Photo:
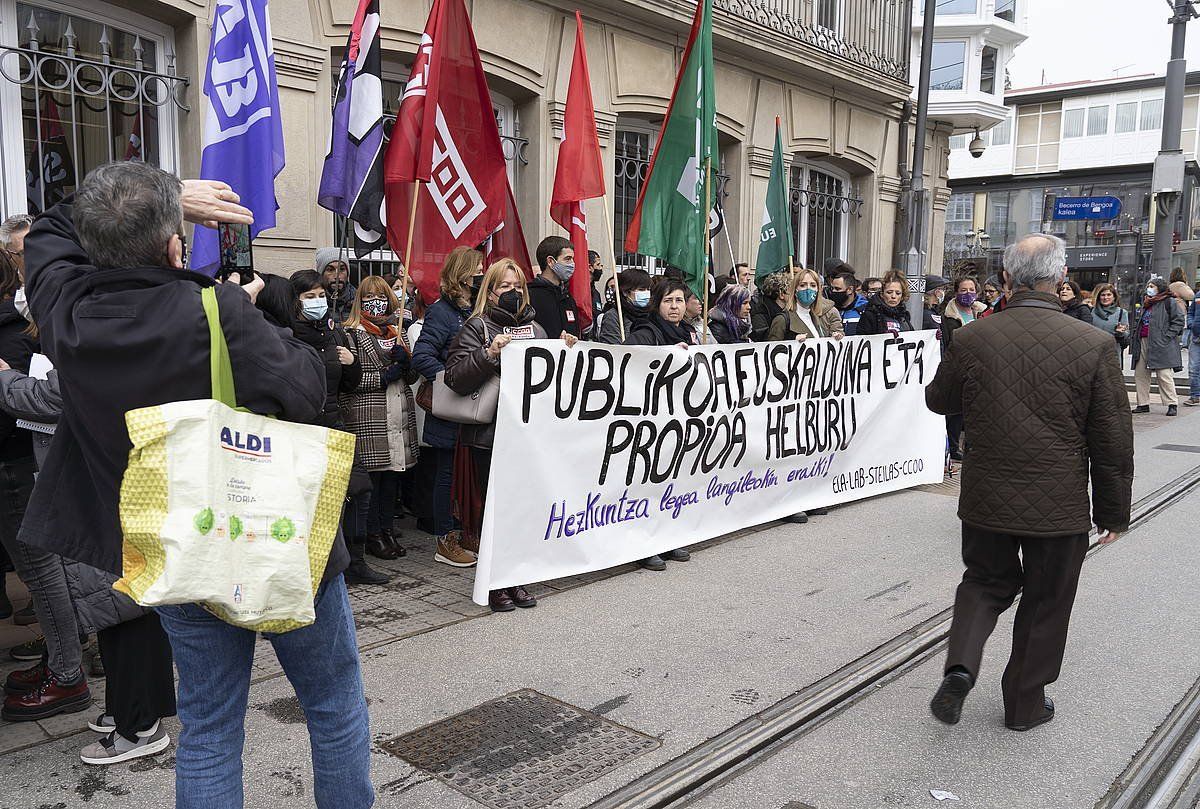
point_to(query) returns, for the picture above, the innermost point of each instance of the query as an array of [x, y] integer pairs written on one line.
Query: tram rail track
[[741, 746]]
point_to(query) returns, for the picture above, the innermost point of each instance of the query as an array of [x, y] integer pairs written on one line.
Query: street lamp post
[[914, 256], [1168, 177]]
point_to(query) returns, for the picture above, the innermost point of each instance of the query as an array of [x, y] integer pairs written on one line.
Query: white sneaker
[[115, 748], [104, 723]]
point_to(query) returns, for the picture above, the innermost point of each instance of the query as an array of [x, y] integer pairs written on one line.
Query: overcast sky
[[1091, 39]]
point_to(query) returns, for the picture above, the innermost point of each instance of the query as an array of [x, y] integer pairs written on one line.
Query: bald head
[[1038, 261]]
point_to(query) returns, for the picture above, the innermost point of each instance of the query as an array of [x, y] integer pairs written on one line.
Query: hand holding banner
[[642, 450]]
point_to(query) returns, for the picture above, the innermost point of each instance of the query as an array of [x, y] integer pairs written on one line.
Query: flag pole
[[412, 223], [707, 251], [608, 231]]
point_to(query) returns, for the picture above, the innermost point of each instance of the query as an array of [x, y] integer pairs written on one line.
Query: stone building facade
[[106, 79]]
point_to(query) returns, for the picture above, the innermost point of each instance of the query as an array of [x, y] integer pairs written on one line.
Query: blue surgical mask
[[563, 270], [314, 308], [641, 298], [807, 297]]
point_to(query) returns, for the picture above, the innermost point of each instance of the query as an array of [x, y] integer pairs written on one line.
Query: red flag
[[580, 173], [509, 240], [445, 137]]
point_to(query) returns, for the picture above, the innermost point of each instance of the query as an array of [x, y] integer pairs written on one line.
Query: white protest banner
[[607, 454]]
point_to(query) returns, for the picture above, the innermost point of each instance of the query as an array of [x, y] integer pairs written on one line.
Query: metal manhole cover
[[1179, 447], [522, 750]]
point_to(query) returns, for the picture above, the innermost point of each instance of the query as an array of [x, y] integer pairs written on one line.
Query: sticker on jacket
[[520, 332]]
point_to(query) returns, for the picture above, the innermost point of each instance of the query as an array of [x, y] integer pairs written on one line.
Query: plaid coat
[[384, 420]]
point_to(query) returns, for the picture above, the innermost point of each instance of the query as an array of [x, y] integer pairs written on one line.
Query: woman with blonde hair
[[381, 411], [809, 314], [502, 314], [462, 274]]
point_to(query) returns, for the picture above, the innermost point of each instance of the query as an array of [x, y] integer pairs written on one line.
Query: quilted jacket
[[1044, 407]]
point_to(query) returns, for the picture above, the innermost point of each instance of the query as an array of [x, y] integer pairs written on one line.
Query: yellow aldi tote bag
[[227, 508]]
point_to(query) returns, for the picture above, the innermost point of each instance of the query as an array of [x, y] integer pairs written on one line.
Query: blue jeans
[[443, 484], [321, 662], [1194, 367]]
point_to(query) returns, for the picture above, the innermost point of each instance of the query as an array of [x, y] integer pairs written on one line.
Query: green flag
[[775, 238], [671, 220]]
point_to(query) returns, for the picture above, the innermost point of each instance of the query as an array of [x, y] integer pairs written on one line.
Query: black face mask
[[596, 275], [839, 298], [476, 285], [510, 301], [610, 295]]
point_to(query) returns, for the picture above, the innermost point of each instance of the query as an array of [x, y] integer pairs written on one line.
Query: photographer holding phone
[[124, 325]]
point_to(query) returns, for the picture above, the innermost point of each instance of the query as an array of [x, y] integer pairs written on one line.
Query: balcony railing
[[871, 33]]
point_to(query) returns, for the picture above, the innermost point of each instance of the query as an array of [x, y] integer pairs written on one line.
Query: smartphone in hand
[[236, 254]]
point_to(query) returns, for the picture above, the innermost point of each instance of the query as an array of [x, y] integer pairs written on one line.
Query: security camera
[[976, 146]]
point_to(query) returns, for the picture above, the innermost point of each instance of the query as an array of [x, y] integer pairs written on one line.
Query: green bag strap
[[220, 368]]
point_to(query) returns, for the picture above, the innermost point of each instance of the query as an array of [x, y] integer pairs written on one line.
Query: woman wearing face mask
[[887, 312], [808, 313], [665, 325], [962, 309], [313, 325], [462, 274], [1155, 346], [729, 318], [635, 307], [1071, 298], [1108, 315], [381, 411], [502, 314]]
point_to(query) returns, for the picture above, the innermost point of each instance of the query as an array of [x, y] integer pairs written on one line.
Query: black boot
[[359, 572]]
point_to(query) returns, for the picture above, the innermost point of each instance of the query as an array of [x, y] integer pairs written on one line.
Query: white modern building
[[1089, 139], [973, 42]]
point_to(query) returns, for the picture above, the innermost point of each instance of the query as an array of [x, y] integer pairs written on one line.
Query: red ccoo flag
[[446, 138], [579, 174]]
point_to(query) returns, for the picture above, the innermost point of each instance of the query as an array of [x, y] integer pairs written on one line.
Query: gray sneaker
[[104, 723], [115, 748]]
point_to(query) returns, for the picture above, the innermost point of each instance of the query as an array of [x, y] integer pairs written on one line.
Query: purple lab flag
[[243, 133], [352, 179]]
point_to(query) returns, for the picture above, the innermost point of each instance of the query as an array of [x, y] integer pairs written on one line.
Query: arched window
[[824, 205]]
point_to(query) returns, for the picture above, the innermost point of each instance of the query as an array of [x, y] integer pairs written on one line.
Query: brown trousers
[[1045, 570]]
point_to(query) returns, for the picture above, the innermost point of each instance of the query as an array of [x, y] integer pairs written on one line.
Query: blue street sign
[[1087, 208]]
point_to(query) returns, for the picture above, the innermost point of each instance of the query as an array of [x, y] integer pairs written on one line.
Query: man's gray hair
[[125, 214], [1036, 259], [18, 223]]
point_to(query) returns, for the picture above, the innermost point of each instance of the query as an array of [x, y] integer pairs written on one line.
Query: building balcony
[[966, 111]]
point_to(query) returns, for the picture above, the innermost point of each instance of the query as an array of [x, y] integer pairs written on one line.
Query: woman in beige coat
[[809, 315]]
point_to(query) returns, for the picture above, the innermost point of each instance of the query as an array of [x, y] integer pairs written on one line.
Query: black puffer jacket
[[468, 365], [325, 337], [724, 331], [655, 331], [554, 307], [610, 323], [1079, 310], [763, 311], [879, 318], [1045, 408]]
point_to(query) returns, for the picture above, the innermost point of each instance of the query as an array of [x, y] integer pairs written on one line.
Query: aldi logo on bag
[[246, 444]]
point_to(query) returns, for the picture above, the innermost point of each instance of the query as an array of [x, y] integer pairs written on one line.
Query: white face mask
[[21, 304]]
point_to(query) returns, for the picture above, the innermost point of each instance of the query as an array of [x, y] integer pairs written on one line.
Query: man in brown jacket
[[1045, 407]]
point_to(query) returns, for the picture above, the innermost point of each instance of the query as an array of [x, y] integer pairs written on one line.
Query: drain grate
[[1179, 447], [522, 750]]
